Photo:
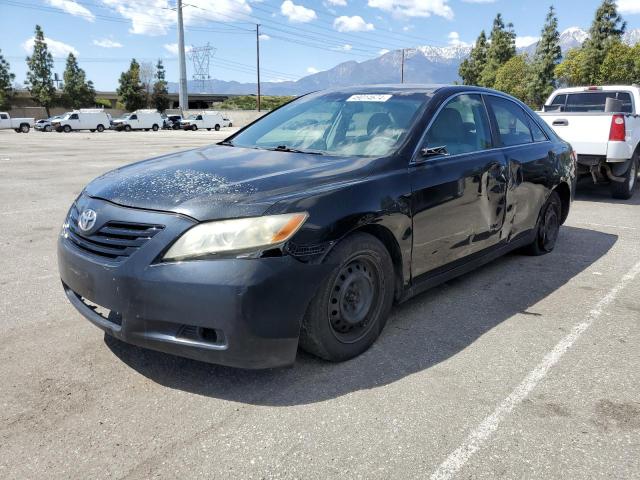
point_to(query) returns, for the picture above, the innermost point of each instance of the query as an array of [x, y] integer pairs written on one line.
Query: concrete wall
[[239, 118]]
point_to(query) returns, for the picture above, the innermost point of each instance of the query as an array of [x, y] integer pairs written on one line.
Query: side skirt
[[438, 276]]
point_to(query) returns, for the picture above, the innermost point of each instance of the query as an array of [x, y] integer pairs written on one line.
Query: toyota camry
[[304, 228]]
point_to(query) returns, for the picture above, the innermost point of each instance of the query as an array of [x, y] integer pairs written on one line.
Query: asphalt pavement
[[525, 368]]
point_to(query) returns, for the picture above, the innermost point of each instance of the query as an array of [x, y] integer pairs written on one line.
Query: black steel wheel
[[351, 307], [100, 128], [624, 190], [217, 127], [127, 128], [548, 227], [66, 128]]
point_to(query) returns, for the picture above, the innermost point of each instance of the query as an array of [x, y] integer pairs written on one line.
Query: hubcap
[[550, 227], [352, 300]]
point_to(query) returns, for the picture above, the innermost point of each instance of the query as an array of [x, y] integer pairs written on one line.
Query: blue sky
[[299, 36]]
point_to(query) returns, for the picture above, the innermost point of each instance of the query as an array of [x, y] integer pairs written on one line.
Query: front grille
[[114, 240]]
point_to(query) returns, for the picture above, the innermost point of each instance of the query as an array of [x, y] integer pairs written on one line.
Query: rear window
[[591, 101]]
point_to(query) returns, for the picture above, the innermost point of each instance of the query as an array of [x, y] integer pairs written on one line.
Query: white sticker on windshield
[[369, 97]]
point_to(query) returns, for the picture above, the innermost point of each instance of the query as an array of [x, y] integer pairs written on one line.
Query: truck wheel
[[194, 127], [624, 190], [208, 129], [548, 227], [350, 309], [24, 128], [66, 128], [100, 128], [48, 128], [230, 125], [217, 127], [127, 128], [155, 127], [17, 130]]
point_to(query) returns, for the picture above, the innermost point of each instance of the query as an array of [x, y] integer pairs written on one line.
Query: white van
[[84, 119], [139, 120], [204, 119]]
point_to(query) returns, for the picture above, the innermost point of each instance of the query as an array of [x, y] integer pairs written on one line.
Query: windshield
[[337, 124]]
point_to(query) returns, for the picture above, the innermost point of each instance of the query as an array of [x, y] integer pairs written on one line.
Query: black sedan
[[305, 227]]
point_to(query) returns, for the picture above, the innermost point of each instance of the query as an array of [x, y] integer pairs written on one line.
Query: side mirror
[[434, 151]]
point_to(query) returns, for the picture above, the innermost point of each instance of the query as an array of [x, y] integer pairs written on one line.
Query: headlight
[[239, 235]]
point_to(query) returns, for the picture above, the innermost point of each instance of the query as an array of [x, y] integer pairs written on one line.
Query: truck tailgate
[[588, 134]]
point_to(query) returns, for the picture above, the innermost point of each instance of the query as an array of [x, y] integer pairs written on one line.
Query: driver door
[[458, 183]]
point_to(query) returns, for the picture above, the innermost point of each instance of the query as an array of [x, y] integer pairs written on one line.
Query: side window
[[559, 100], [461, 126], [74, 117], [536, 131], [133, 117], [199, 117], [512, 122], [4, 116]]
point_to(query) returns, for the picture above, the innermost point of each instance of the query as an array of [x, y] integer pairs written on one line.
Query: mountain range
[[425, 64]]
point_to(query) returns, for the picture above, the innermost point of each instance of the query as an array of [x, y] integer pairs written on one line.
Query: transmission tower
[[201, 58]]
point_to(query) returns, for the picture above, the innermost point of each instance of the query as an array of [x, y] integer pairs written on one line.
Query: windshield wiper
[[284, 148]]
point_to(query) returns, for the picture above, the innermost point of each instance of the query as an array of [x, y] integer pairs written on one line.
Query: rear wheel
[[217, 127], [208, 129], [230, 125], [24, 128], [155, 127], [624, 190], [350, 309], [66, 128], [548, 227]]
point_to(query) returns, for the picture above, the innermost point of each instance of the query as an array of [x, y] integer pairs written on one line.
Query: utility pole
[[402, 68], [258, 60], [183, 96]]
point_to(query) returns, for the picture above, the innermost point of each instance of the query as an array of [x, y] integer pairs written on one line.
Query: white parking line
[[461, 455]]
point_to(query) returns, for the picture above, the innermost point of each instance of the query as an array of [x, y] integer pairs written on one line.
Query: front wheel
[[548, 227], [155, 127], [127, 128], [48, 128], [100, 128], [350, 309], [624, 190], [194, 127], [217, 127], [66, 128]]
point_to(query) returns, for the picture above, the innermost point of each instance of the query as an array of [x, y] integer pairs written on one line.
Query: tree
[[541, 81], [501, 48], [471, 68], [509, 78], [160, 97], [621, 65], [40, 64], [6, 81], [131, 91], [77, 92], [147, 75], [571, 71], [606, 30]]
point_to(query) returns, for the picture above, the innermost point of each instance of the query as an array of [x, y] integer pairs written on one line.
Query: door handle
[[561, 123]]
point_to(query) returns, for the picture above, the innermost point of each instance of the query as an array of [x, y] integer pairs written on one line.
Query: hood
[[223, 182]]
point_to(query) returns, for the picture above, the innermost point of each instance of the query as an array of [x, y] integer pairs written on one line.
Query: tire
[[547, 228], [194, 127], [127, 128], [351, 308], [17, 130], [155, 127], [624, 190], [100, 128], [24, 128], [208, 129], [92, 130], [66, 128], [48, 128], [230, 125], [217, 127]]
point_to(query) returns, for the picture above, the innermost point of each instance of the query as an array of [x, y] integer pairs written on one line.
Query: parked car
[[92, 119], [20, 125], [237, 253], [147, 119], [44, 124], [201, 120], [603, 126], [226, 120], [173, 122]]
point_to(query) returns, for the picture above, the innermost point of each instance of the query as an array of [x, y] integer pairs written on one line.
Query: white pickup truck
[[602, 124], [20, 125]]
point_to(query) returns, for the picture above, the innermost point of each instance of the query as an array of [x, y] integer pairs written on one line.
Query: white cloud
[[337, 3], [297, 13], [383, 51], [312, 70], [479, 1], [57, 49], [107, 43], [172, 48], [352, 24], [407, 28], [344, 48], [73, 8], [525, 41], [454, 39], [413, 8], [264, 36], [629, 7], [154, 17]]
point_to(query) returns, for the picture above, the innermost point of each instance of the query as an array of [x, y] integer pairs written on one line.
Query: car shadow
[[587, 191], [421, 333]]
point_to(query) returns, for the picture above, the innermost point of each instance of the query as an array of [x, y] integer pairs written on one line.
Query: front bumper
[[238, 312]]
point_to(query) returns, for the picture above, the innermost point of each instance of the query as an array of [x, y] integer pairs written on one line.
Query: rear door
[[530, 159], [458, 186]]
